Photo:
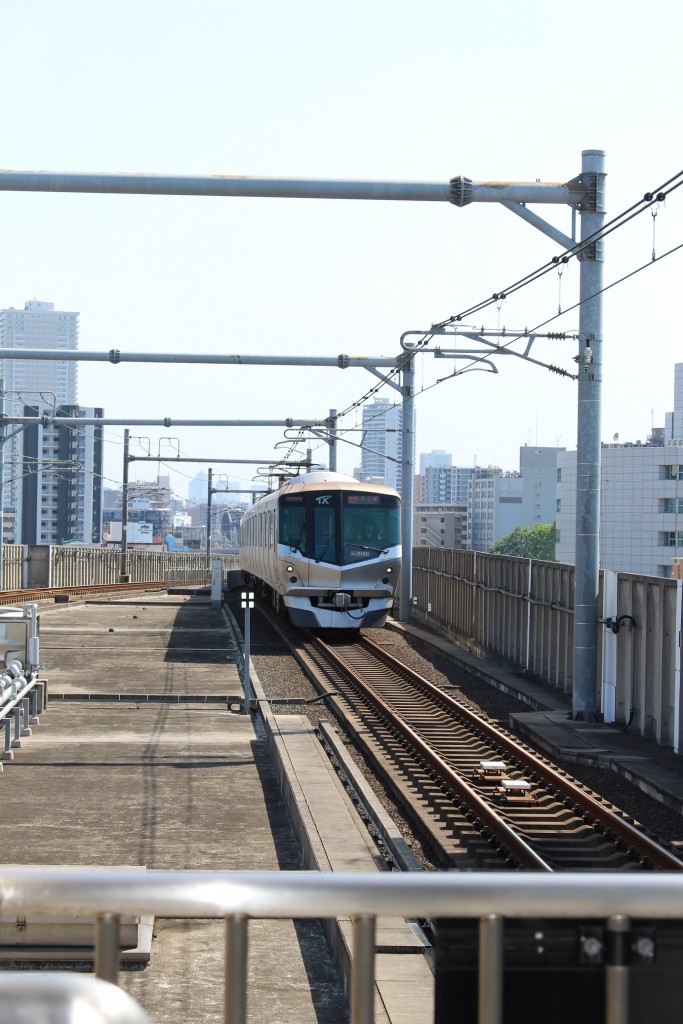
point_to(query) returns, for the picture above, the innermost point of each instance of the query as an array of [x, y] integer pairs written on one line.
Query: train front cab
[[339, 556]]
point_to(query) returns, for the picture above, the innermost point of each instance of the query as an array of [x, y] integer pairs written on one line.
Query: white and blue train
[[327, 547]]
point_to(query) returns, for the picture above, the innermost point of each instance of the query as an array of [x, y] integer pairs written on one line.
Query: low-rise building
[[442, 525]]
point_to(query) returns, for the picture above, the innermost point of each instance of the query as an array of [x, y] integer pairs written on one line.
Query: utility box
[[19, 630], [36, 570], [555, 971]]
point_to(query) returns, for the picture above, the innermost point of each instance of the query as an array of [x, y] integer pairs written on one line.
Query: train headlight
[[388, 570], [290, 568]]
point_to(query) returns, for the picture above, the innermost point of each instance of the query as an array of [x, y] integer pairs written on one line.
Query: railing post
[[25, 706], [617, 970], [236, 945], [8, 754], [491, 969], [107, 946], [16, 715], [363, 971], [34, 719]]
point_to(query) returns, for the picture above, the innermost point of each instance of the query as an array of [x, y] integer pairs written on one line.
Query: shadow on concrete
[[327, 993], [199, 633]]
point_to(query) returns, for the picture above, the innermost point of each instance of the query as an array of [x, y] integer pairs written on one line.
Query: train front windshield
[[340, 527]]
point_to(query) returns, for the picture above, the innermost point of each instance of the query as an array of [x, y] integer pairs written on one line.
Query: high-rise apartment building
[[440, 481], [31, 381], [374, 439], [382, 440], [198, 489], [437, 459], [436, 477], [53, 474], [461, 483], [57, 502]]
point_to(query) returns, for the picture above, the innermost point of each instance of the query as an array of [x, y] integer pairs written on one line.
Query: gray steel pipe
[[460, 190], [166, 422], [115, 356], [293, 894], [223, 185]]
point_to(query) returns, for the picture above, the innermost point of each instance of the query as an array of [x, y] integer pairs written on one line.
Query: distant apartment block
[[49, 499], [436, 525], [60, 500]]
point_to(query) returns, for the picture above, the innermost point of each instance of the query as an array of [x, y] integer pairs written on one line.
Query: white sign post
[[247, 605], [216, 583]]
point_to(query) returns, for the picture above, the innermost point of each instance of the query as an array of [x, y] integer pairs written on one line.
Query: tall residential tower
[[52, 474]]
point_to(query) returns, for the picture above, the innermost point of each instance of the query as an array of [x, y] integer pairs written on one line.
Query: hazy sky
[[380, 90]]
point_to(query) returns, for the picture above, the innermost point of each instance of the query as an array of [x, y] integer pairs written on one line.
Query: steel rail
[[50, 593], [624, 831], [506, 835]]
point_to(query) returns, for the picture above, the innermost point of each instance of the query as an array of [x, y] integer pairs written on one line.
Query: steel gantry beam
[[583, 193], [459, 191]]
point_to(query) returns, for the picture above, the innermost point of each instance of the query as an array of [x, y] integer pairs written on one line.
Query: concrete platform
[[163, 785], [138, 761], [654, 769], [333, 839]]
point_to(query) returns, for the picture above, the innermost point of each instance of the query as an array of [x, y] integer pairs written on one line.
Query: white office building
[[641, 505], [499, 502]]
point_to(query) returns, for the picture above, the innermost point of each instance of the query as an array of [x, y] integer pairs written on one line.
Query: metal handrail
[[238, 897]]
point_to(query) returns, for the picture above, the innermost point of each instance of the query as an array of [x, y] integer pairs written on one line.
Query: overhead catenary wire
[[623, 218], [619, 221]]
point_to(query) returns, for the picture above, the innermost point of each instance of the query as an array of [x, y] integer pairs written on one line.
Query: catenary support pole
[[2, 484], [123, 569], [407, 473], [587, 552], [333, 440], [209, 509]]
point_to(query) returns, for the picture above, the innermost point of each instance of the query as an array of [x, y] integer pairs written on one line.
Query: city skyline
[[304, 93]]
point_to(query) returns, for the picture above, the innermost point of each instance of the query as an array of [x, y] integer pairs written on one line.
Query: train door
[[325, 569]]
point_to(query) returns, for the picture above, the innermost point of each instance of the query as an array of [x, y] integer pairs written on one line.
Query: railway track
[[479, 798], [64, 593]]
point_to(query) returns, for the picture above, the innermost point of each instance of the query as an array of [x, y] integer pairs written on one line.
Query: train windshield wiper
[[369, 547], [295, 545]]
